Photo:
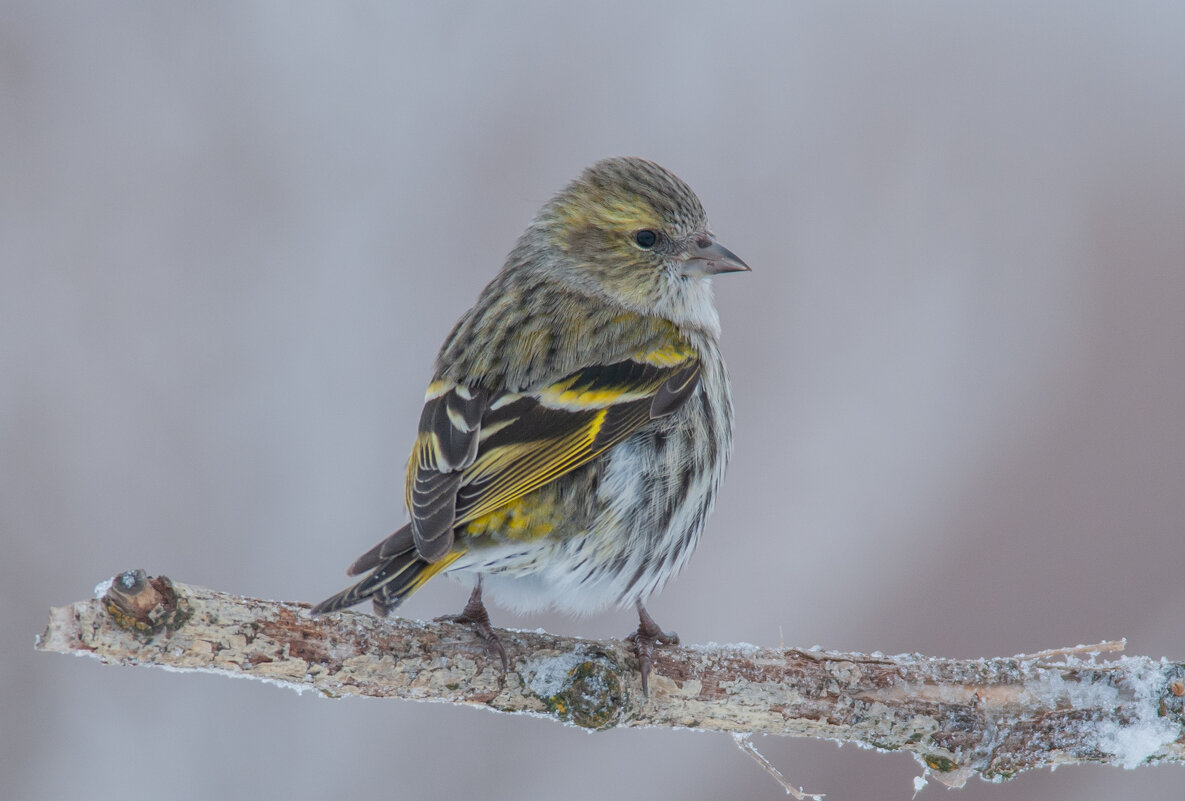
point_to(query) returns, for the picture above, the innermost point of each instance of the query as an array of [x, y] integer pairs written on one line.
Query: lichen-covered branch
[[987, 717]]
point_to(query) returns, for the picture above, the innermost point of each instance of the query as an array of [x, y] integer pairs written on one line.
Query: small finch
[[579, 420]]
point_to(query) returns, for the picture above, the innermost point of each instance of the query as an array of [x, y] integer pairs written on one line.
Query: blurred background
[[234, 235]]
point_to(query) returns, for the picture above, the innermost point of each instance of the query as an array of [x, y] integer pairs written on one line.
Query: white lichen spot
[[548, 676], [103, 587]]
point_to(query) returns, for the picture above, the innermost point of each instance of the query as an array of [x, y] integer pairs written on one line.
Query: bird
[[579, 420]]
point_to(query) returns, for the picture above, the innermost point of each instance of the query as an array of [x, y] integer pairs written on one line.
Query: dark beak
[[709, 257]]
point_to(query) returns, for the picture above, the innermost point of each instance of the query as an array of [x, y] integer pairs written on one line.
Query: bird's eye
[[646, 238]]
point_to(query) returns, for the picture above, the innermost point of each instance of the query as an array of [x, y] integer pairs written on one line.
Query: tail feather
[[395, 574], [395, 545]]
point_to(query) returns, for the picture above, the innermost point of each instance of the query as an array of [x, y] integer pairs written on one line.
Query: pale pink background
[[233, 235]]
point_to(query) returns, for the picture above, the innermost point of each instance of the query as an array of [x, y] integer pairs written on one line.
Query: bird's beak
[[709, 257]]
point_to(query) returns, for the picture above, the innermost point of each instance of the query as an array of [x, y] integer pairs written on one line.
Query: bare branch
[[990, 718]]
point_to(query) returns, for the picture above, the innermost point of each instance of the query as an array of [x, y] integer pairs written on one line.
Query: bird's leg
[[644, 639], [474, 614]]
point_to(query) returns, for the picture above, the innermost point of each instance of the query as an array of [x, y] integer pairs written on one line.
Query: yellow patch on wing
[[424, 453], [437, 388], [669, 355], [568, 395], [517, 469]]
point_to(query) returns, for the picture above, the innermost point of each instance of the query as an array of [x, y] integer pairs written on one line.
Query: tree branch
[[991, 718]]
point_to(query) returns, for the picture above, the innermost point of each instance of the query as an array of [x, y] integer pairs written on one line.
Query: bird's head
[[632, 232]]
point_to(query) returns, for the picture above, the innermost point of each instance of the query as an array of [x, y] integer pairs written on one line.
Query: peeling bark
[[991, 718]]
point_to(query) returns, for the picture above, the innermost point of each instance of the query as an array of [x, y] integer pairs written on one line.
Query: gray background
[[234, 234]]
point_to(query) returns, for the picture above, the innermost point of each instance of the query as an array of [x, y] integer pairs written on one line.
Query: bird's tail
[[396, 571]]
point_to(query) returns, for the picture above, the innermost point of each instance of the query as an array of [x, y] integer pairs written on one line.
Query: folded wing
[[478, 451]]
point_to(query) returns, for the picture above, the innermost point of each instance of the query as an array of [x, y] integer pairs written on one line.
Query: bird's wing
[[478, 451]]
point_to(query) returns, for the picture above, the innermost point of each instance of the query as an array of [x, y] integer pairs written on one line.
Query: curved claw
[[475, 615], [648, 635]]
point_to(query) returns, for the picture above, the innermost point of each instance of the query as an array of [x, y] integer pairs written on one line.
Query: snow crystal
[[1134, 743], [102, 588], [1131, 745], [1052, 689], [299, 689], [735, 647]]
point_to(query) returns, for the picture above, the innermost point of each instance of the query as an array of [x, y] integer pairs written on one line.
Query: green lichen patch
[[584, 690], [940, 763]]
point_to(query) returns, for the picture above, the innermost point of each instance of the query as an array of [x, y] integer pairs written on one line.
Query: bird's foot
[[475, 615], [648, 635]]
